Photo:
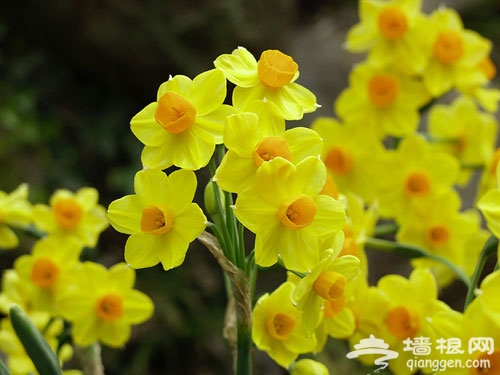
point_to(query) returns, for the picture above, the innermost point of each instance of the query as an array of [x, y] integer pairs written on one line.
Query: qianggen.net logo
[[440, 355]]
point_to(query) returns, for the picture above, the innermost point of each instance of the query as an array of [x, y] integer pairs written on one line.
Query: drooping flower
[[286, 211], [277, 326], [15, 211], [185, 123], [102, 304], [271, 78], [72, 215], [160, 218], [251, 141], [412, 173], [395, 33], [47, 269], [456, 55], [386, 102], [323, 289]]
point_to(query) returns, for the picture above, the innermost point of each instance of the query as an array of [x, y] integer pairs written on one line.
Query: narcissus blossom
[[185, 123], [72, 215], [102, 304], [288, 214], [271, 78], [251, 141], [161, 218], [277, 326]]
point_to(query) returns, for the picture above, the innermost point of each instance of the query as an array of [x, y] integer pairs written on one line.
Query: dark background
[[72, 75]]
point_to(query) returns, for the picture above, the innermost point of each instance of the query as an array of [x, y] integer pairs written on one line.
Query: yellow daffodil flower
[[413, 310], [439, 226], [47, 268], [277, 326], [323, 289], [412, 173], [251, 142], [395, 33], [288, 214], [72, 215], [102, 304], [185, 123], [271, 78], [161, 218], [489, 206], [386, 102], [456, 55], [464, 131], [350, 155], [15, 211]]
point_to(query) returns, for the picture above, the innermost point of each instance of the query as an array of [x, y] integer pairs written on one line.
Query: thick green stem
[[411, 251], [489, 248], [240, 304], [90, 359]]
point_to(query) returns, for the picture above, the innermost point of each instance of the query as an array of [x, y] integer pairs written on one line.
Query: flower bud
[[308, 367]]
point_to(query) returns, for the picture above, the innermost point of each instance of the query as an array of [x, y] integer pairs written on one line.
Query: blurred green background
[[72, 75]]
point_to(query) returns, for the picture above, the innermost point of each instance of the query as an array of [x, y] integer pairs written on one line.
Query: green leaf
[[42, 355]]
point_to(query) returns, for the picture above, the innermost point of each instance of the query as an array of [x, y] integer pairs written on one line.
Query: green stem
[[385, 229], [489, 248], [411, 251]]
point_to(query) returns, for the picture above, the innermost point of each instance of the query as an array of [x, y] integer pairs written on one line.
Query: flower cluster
[[52, 285], [314, 199]]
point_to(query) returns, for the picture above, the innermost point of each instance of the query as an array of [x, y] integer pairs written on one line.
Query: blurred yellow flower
[[308, 366], [288, 214], [456, 55], [48, 268], [413, 173], [277, 326], [272, 78], [185, 123], [350, 154], [395, 33], [102, 304], [72, 215], [15, 211], [161, 218], [464, 131]]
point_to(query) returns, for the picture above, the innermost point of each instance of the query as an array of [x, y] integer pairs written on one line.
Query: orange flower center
[[488, 68], [333, 307], [67, 212], [350, 247], [330, 285], [339, 160], [417, 185], [174, 113], [402, 322], [297, 213], [438, 235], [392, 23], [383, 90], [276, 69], [109, 307], [448, 47], [280, 325], [156, 220], [494, 161], [45, 273], [270, 148], [489, 364], [330, 188]]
